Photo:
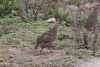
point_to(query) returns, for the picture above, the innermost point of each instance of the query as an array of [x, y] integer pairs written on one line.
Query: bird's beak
[[61, 24]]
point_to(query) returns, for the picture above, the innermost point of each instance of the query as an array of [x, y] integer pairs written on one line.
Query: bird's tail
[[36, 46]]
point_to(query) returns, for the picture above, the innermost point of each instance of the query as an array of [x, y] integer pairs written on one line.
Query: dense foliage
[[6, 6]]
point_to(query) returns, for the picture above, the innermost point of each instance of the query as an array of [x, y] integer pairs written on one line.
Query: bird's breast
[[56, 37]]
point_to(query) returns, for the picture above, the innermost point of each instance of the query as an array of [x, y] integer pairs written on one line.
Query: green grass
[[16, 33], [70, 60], [65, 61], [25, 34]]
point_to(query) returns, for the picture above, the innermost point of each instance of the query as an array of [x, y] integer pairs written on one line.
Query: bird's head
[[57, 24], [96, 6]]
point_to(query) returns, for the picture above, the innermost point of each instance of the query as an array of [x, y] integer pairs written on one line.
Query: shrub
[[6, 6], [16, 4], [49, 10], [60, 16], [53, 12]]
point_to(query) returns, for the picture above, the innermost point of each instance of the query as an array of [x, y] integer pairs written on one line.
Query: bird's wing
[[45, 37]]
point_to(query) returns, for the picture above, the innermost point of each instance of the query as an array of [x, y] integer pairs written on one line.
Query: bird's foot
[[51, 52]]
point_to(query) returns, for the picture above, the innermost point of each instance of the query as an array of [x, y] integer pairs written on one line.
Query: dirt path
[[27, 54], [91, 63], [46, 55]]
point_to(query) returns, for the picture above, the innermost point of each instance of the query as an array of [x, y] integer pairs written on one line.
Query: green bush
[[6, 6], [49, 10], [60, 15], [53, 12], [50, 6], [16, 4]]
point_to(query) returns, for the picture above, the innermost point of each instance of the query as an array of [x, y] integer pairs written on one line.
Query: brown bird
[[47, 39], [92, 20]]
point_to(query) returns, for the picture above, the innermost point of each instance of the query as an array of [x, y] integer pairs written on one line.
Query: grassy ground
[[17, 41]]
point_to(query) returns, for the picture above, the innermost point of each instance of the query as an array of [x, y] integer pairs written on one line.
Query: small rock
[[51, 20], [71, 8], [70, 52], [11, 56]]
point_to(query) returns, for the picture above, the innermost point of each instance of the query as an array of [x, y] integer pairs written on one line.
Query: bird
[[48, 38], [92, 20]]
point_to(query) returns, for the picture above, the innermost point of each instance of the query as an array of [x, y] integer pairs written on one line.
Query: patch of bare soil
[[95, 62], [16, 56], [46, 55]]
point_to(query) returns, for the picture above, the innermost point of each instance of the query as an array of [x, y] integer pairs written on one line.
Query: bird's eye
[[59, 23]]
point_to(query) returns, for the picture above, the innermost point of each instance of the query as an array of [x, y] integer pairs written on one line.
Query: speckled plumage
[[47, 39], [92, 20]]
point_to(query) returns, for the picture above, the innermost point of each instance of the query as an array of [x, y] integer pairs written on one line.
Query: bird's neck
[[95, 11], [55, 29], [55, 26]]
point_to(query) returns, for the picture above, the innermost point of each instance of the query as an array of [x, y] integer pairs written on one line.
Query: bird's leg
[[50, 49], [41, 50]]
